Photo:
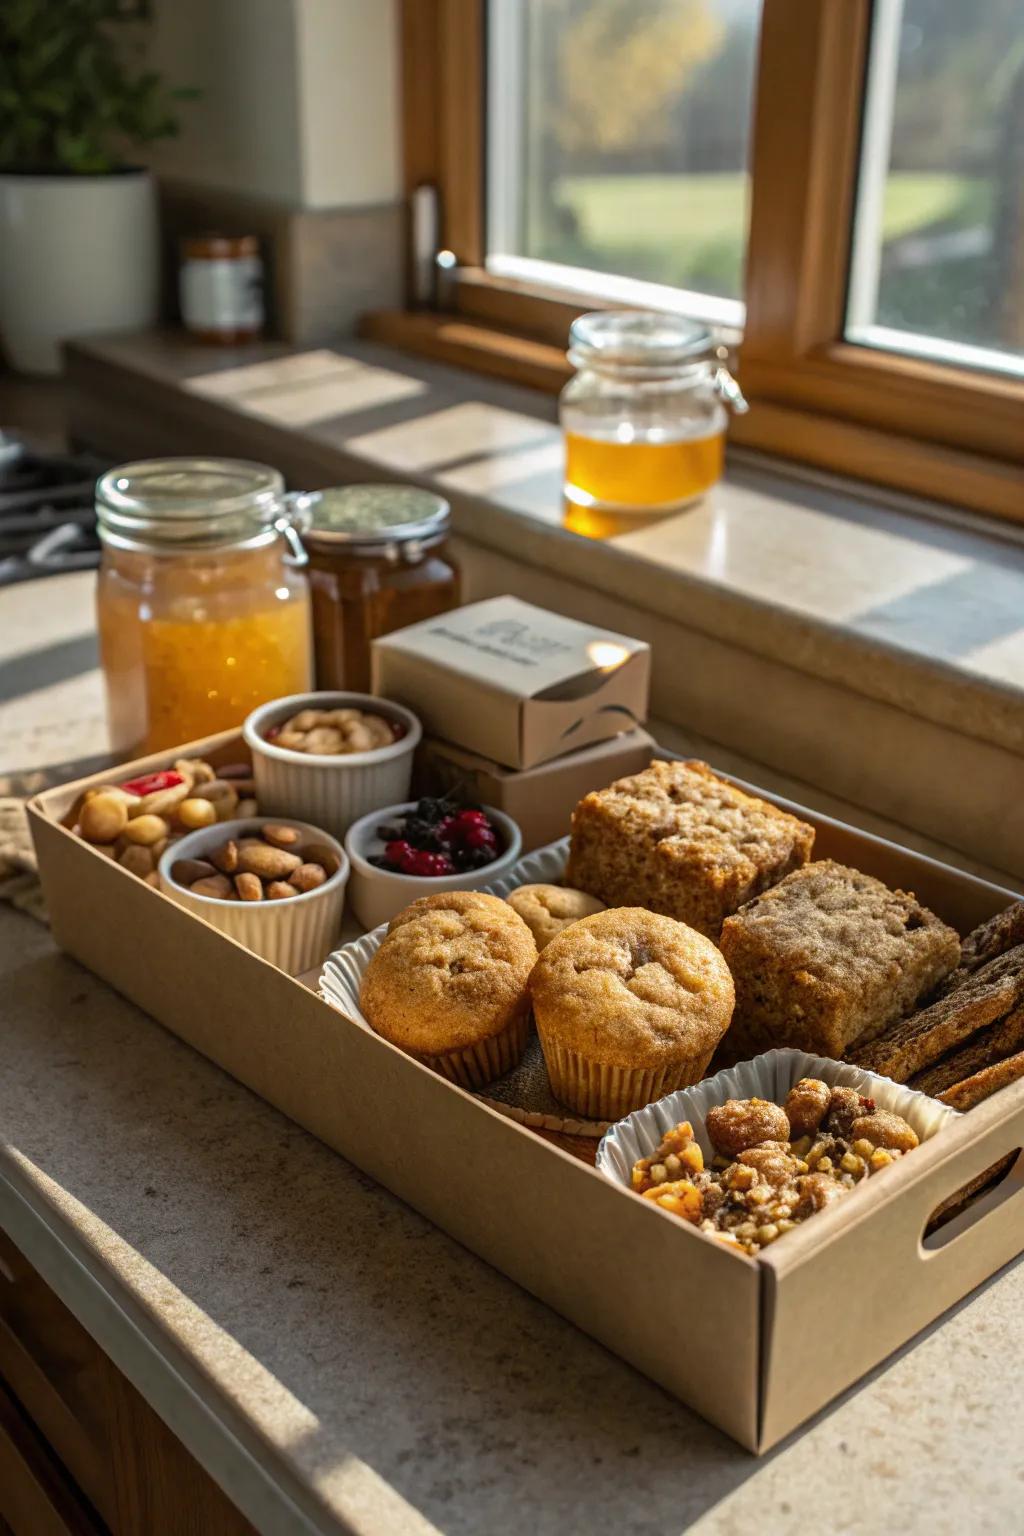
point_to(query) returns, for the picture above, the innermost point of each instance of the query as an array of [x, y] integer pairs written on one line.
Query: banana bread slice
[[678, 839], [829, 955]]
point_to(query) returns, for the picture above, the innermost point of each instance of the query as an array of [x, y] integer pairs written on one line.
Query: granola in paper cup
[[769, 1076]]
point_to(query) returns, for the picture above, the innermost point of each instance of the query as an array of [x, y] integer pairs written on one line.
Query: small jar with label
[[646, 413], [377, 562], [220, 288]]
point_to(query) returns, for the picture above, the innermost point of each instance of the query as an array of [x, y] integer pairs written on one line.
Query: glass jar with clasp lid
[[202, 598], [377, 562], [646, 412]]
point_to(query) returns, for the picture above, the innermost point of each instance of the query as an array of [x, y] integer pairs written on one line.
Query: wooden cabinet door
[[111, 1457]]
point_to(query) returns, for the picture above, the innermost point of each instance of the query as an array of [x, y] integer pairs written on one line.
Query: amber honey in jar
[[644, 416], [202, 600], [377, 562]]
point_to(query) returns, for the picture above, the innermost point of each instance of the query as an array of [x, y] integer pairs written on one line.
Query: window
[[938, 245], [838, 184], [618, 148]]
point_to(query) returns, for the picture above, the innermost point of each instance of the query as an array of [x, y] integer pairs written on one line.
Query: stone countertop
[[340, 1365]]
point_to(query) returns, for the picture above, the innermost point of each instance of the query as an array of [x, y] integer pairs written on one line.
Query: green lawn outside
[[689, 230]]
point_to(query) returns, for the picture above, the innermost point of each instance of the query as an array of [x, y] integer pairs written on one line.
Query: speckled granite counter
[[339, 1365]]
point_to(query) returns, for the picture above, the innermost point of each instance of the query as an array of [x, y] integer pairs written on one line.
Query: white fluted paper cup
[[295, 933], [769, 1076], [331, 792]]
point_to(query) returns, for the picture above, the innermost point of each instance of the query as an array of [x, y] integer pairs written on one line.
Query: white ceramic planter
[[331, 792], [78, 254]]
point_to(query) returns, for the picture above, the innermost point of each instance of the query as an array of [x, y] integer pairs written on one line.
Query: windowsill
[[918, 612], [864, 649]]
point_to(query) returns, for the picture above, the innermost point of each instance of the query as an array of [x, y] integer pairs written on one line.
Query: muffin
[[547, 909], [448, 985], [629, 1006]]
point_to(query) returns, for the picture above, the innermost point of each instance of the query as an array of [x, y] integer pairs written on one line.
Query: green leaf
[[72, 96]]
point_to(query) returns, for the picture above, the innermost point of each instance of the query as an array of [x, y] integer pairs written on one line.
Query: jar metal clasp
[[290, 525], [729, 392]]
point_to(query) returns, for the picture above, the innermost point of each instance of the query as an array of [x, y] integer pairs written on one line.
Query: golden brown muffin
[[451, 901], [629, 1006], [448, 985], [547, 909]]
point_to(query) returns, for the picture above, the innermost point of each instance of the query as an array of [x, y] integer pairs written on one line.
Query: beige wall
[[348, 101], [299, 98]]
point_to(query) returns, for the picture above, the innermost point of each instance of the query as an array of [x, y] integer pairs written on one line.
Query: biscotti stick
[[989, 940], [916, 1042], [985, 1049], [985, 1083]]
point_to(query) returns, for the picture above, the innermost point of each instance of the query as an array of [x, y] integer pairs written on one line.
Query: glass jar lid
[[189, 503], [637, 341], [371, 517]]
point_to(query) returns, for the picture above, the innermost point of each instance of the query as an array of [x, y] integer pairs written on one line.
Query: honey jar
[[377, 562], [645, 414], [202, 600]]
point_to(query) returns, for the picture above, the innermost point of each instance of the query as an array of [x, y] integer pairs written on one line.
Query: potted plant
[[78, 225]]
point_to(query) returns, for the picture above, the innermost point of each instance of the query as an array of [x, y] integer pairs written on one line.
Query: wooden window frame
[[908, 423]]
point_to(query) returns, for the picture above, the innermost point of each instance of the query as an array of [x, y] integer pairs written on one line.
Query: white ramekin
[[295, 933], [330, 792], [376, 895]]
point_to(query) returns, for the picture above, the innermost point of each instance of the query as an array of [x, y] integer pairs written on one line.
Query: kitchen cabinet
[[81, 1452]]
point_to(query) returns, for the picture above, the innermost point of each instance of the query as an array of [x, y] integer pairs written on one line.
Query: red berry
[[151, 782], [447, 830], [398, 850], [480, 837], [420, 862], [472, 819]]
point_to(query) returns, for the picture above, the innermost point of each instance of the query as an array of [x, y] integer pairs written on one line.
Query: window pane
[[938, 264], [619, 138]]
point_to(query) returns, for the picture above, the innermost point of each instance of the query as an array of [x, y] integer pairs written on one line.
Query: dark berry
[[379, 861], [390, 834], [477, 858]]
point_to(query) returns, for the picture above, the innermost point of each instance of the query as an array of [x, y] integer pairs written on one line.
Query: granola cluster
[[774, 1165]]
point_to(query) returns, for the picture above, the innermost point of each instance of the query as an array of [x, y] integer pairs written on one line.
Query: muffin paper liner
[[610, 1092], [478, 1064], [769, 1076]]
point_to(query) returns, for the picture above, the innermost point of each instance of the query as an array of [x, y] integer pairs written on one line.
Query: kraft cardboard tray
[[738, 1341]]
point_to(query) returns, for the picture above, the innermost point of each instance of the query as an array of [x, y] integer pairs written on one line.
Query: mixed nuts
[[272, 864], [133, 822], [335, 732]]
